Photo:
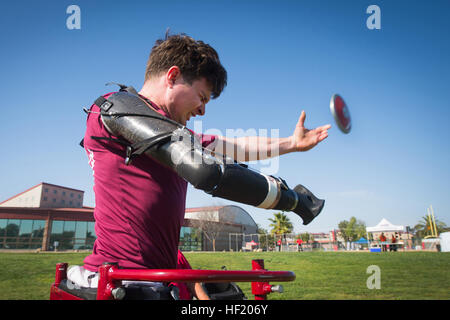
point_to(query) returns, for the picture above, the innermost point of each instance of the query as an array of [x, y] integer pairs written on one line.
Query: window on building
[[21, 234], [3, 223], [12, 229], [81, 229], [80, 235], [38, 228], [25, 228], [91, 229], [190, 239], [57, 227], [69, 227]]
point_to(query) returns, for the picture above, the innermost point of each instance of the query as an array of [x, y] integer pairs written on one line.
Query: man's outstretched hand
[[305, 139]]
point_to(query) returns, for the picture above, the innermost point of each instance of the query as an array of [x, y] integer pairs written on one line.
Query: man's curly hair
[[195, 59]]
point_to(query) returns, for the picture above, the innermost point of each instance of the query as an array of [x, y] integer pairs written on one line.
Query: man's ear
[[172, 75]]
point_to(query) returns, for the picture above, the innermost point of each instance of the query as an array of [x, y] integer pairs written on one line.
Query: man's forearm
[[244, 149], [197, 291]]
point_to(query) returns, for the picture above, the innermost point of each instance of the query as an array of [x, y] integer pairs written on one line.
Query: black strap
[[122, 142], [103, 103], [131, 114], [138, 148]]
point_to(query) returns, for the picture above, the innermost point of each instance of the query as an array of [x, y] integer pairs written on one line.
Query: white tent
[[445, 241], [385, 225]]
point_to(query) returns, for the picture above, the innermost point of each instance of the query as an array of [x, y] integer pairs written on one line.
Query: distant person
[[299, 244], [393, 246], [383, 242], [279, 244]]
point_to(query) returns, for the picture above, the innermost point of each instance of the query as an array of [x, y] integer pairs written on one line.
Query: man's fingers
[[323, 136], [301, 120], [322, 129], [325, 127]]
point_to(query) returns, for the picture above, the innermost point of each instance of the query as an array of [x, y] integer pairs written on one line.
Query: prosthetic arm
[[129, 117]]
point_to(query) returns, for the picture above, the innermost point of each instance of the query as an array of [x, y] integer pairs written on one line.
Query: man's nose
[[201, 110]]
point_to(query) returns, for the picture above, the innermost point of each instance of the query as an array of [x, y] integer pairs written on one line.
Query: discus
[[340, 112]]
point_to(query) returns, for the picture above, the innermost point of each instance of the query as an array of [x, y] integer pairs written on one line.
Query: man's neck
[[152, 92]]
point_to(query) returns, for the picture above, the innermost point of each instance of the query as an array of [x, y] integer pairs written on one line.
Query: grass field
[[320, 275]]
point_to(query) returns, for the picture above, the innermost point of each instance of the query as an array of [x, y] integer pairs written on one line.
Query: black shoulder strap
[[136, 149], [105, 104]]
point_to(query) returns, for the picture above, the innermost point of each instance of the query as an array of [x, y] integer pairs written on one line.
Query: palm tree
[[280, 224], [423, 228]]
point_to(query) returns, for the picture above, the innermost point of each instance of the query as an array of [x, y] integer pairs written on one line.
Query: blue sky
[[282, 57]]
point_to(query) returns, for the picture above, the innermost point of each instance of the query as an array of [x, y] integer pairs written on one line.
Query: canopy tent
[[362, 240], [385, 225]]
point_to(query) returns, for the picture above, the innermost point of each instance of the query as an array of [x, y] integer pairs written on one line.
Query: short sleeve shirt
[[139, 208]]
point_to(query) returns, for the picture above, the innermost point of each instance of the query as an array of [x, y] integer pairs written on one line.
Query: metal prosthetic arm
[[127, 116]]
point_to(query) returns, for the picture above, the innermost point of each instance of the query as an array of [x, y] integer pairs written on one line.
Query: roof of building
[[38, 185], [229, 213]]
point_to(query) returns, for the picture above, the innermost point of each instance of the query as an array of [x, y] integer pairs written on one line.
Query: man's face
[[186, 101]]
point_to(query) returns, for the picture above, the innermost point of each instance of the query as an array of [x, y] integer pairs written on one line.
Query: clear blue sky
[[282, 57]]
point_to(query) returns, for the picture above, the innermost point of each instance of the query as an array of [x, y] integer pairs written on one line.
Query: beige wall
[[28, 199], [47, 196]]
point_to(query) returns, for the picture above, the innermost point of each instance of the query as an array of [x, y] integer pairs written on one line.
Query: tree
[[208, 222], [423, 227], [280, 224], [353, 229], [266, 240], [304, 236]]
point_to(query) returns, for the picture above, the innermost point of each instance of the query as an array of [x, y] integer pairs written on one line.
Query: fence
[[268, 242]]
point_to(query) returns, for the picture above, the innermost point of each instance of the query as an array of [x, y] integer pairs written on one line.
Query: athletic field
[[320, 275]]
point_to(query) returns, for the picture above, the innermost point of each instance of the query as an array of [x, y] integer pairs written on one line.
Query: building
[[46, 216], [218, 223], [46, 195], [53, 217]]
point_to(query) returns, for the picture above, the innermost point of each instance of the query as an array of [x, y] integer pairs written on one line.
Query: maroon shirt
[[139, 208]]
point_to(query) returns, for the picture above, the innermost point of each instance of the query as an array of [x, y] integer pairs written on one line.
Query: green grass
[[319, 275]]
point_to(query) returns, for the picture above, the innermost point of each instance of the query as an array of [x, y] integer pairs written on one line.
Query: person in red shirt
[[299, 244], [393, 246], [383, 241]]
